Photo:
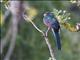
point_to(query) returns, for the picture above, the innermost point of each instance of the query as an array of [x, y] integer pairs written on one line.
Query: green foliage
[[64, 17]]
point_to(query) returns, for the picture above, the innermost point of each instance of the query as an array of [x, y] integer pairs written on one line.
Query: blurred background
[[29, 43]]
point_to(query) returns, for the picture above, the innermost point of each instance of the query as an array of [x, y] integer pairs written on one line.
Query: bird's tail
[[57, 37]]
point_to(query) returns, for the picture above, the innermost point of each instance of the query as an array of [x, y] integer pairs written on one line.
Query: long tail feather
[[57, 37]]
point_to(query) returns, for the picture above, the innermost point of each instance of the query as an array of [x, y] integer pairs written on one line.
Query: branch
[[5, 40], [26, 18], [45, 37], [13, 39], [16, 10], [47, 41], [49, 47]]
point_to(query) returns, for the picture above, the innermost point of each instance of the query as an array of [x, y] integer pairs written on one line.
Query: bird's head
[[49, 14]]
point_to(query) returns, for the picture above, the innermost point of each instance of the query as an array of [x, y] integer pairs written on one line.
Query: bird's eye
[[44, 14]]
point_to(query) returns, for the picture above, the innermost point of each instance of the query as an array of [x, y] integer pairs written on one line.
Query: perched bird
[[51, 22]]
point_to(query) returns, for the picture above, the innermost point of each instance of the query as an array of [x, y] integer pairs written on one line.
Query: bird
[[52, 23]]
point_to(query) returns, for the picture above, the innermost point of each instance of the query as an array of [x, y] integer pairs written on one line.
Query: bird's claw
[[45, 34]]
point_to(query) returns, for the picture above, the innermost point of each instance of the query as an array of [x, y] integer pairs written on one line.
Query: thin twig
[[49, 47], [28, 19], [36, 27], [47, 41]]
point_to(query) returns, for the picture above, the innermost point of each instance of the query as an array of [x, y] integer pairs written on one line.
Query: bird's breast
[[47, 22]]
